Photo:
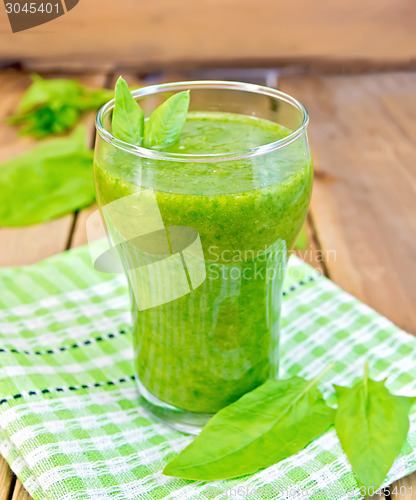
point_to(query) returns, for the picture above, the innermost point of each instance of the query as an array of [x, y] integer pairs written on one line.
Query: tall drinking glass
[[203, 229]]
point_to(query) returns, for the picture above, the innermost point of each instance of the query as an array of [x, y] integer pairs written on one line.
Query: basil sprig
[[281, 417], [163, 127]]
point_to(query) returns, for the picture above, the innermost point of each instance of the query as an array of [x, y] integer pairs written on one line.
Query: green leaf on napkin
[[166, 122], [53, 106], [372, 425], [128, 118], [52, 179], [268, 424]]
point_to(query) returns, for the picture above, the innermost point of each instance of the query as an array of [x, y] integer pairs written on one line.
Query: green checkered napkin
[[71, 425]]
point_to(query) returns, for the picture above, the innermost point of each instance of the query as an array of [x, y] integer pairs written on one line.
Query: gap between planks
[[362, 136], [27, 245], [404, 489], [313, 254], [314, 228]]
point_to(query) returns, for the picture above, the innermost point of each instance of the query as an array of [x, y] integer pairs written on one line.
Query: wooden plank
[[259, 76], [376, 497], [79, 233], [21, 246], [19, 493], [362, 135], [312, 254], [404, 489], [219, 32], [6, 479], [362, 138], [27, 245]]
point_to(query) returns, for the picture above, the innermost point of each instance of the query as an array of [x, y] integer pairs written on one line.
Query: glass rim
[[210, 157]]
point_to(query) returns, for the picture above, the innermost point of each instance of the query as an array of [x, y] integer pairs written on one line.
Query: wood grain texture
[[79, 234], [341, 161], [27, 245], [101, 33], [377, 497], [6, 479], [19, 493], [404, 489], [362, 135], [21, 246]]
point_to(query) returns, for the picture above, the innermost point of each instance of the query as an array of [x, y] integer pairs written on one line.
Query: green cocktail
[[209, 345]]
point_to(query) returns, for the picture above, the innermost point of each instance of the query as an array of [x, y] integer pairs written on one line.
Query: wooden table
[[361, 224], [158, 33]]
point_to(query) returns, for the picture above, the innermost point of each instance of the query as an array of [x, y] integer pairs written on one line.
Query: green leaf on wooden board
[[51, 180], [53, 106]]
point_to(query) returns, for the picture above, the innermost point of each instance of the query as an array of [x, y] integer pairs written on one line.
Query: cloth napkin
[[71, 424]]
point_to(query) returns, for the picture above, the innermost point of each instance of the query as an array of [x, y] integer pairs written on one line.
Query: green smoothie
[[208, 347]]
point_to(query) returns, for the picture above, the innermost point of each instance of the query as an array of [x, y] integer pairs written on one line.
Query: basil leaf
[[128, 118], [264, 426], [53, 179], [166, 122], [372, 425]]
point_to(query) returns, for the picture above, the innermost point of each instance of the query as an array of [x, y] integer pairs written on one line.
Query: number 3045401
[[399, 491], [32, 8]]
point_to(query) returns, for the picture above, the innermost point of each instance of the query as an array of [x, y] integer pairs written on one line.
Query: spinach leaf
[[166, 122], [128, 117], [372, 425], [48, 91], [264, 426], [53, 106], [52, 179], [46, 121]]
